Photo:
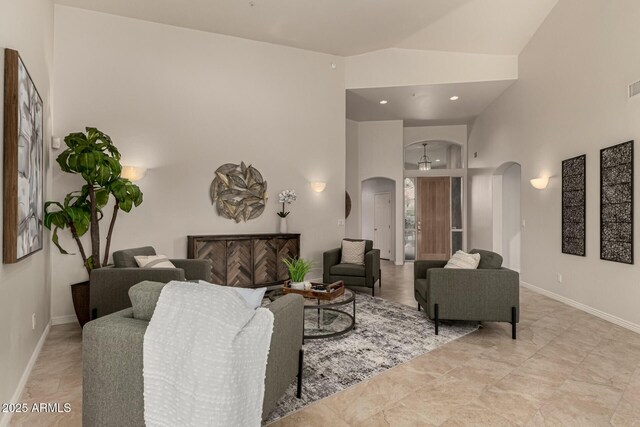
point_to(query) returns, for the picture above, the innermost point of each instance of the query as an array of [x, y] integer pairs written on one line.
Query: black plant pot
[[80, 296]]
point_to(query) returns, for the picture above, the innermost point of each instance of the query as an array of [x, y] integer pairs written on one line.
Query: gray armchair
[[491, 293], [109, 285], [353, 275]]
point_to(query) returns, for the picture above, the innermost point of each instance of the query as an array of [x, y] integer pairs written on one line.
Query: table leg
[[354, 312]]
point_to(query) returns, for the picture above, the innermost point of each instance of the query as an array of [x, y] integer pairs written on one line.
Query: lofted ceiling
[[424, 105], [350, 27]]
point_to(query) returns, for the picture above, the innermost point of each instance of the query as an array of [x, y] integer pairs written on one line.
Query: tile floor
[[566, 368]]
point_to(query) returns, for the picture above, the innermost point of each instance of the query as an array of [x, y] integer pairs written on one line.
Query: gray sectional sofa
[[491, 293], [112, 349]]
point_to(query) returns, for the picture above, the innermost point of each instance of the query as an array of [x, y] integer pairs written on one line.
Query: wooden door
[[434, 218], [382, 224]]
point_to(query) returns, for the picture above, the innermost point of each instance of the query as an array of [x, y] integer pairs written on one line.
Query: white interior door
[[382, 224]]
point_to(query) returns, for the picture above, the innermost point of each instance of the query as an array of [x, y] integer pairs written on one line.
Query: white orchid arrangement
[[286, 197]]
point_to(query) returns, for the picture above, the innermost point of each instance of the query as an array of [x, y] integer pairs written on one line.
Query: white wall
[[454, 133], [570, 99], [511, 220], [352, 226], [407, 67], [370, 188], [183, 102], [380, 155], [25, 26]]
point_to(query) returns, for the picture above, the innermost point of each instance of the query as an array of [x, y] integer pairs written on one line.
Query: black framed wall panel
[[574, 205], [616, 203]]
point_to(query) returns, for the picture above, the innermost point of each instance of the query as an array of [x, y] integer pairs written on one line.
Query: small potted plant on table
[[298, 269]]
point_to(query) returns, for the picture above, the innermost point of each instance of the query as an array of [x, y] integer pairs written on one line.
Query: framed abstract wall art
[[616, 203], [23, 161], [574, 205]]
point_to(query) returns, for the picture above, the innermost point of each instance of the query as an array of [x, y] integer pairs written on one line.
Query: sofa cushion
[[464, 260], [348, 270], [253, 297], [125, 258], [488, 259], [368, 244], [153, 261], [353, 252], [144, 297]]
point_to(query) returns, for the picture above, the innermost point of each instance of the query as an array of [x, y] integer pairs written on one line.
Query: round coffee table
[[326, 319]]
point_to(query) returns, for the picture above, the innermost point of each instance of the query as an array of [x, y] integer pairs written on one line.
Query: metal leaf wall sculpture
[[239, 192]]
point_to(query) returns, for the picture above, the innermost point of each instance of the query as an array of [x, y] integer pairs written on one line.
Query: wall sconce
[[318, 186], [133, 173], [539, 183]]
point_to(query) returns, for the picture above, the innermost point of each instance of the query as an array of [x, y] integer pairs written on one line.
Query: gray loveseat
[[112, 351], [109, 285], [491, 293]]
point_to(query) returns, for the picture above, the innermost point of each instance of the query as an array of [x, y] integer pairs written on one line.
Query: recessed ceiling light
[[437, 160], [454, 98], [384, 101]]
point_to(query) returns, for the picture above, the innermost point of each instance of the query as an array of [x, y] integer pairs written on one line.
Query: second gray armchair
[[109, 286], [490, 293], [353, 275]]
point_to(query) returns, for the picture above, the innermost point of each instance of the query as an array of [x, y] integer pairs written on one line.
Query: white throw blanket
[[205, 358]]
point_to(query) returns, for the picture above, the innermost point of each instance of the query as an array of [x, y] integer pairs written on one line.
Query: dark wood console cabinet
[[246, 260]]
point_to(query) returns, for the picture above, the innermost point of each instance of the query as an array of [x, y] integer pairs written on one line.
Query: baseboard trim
[[586, 308], [6, 417], [63, 320]]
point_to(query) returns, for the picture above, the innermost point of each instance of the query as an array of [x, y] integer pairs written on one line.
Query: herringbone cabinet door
[[216, 252], [287, 248], [265, 257], [239, 263]]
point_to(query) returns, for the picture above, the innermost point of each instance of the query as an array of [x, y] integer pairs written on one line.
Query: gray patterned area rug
[[386, 334]]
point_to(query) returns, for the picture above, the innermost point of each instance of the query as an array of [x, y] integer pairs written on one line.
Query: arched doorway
[[379, 215], [507, 219]]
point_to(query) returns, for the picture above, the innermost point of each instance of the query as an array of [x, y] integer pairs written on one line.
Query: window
[[409, 219], [441, 154]]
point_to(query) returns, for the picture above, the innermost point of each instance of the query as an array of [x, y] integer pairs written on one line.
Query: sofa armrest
[[372, 266], [484, 294], [286, 342], [113, 385], [420, 268], [329, 259], [194, 269], [109, 287]]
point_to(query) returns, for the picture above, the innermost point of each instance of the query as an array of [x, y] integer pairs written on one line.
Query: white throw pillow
[[464, 260], [153, 261], [353, 252], [253, 297]]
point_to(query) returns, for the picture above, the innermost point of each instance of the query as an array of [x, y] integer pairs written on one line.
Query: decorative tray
[[320, 291]]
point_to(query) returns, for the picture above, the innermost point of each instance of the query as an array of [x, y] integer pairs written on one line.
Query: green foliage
[[93, 156], [298, 268]]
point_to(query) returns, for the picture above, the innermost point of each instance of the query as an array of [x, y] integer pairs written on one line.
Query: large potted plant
[[93, 156]]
